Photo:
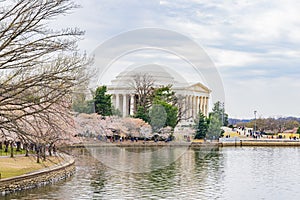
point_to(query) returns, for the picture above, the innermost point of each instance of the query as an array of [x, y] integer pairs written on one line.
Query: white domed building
[[196, 95]]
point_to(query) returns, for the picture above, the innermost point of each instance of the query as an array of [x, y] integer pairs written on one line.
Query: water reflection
[[137, 159], [225, 173]]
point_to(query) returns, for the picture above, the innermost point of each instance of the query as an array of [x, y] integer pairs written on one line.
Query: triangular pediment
[[199, 87]]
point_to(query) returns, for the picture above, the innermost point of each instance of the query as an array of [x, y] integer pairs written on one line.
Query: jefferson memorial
[[195, 95]]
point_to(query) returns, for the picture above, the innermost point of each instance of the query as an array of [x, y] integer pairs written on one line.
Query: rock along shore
[[39, 178]]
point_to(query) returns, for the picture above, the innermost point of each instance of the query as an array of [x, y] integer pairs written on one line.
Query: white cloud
[[229, 58], [255, 44]]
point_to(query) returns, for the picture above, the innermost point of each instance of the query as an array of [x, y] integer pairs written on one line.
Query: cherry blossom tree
[[39, 68]]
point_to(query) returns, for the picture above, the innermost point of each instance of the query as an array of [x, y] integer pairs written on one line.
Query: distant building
[[294, 130], [239, 131], [196, 95]]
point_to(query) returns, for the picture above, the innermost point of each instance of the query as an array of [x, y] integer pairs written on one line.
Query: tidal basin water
[[218, 173]]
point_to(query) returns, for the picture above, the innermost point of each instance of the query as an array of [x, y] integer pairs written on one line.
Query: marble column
[[186, 106], [132, 104], [191, 106], [124, 105], [197, 106], [183, 108], [205, 105], [201, 104], [194, 106], [118, 102], [113, 98]]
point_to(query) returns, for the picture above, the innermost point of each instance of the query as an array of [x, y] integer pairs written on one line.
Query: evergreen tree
[[202, 127], [171, 111], [142, 114], [219, 111], [164, 93], [158, 117], [214, 128], [102, 101], [165, 97], [217, 119]]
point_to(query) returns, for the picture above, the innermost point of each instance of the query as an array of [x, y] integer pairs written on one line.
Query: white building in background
[[196, 95]]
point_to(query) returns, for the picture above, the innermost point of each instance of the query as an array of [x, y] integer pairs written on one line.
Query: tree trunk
[[38, 153], [44, 152], [38, 156], [11, 149], [18, 146], [26, 149], [54, 149], [6, 146], [50, 150]]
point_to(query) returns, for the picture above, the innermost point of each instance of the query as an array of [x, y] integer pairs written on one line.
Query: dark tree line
[[271, 124]]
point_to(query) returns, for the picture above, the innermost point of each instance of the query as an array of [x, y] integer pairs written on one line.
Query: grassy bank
[[10, 167]]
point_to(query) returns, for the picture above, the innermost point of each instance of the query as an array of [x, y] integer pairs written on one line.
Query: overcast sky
[[255, 44]]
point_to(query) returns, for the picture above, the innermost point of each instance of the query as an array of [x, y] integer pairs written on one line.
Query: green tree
[[158, 117], [142, 114], [165, 97], [216, 121], [162, 97], [102, 101], [298, 131], [202, 126], [164, 93], [214, 129], [219, 111], [172, 112]]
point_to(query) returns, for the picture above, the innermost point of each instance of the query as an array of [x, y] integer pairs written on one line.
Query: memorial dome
[[161, 76]]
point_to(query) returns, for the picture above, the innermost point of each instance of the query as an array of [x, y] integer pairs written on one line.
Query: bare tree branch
[[39, 69], [143, 84]]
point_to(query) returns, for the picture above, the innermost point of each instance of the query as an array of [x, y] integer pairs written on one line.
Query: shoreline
[[42, 177], [240, 142], [261, 142], [142, 144]]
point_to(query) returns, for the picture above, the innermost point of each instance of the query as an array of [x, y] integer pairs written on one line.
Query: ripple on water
[[225, 173]]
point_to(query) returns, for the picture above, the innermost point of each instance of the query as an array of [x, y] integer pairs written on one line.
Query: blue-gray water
[[222, 173]]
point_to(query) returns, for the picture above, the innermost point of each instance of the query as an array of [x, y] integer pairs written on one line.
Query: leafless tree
[[143, 85], [183, 108], [271, 124], [39, 68]]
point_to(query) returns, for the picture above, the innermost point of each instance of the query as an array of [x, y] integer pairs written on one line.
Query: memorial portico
[[195, 96], [125, 102]]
